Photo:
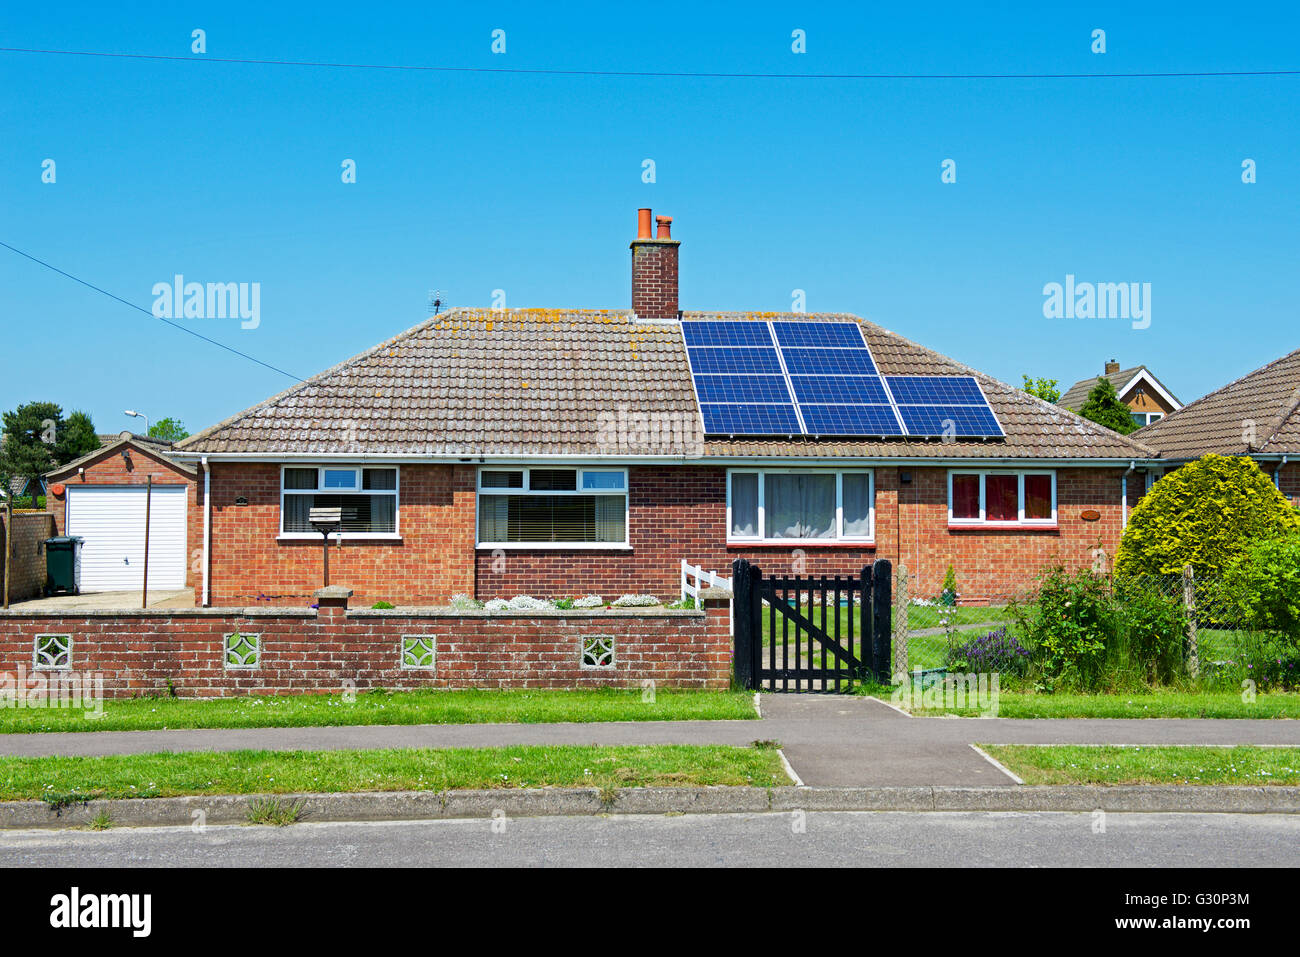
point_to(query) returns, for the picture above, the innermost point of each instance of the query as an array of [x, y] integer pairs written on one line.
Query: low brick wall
[[27, 565], [334, 649]]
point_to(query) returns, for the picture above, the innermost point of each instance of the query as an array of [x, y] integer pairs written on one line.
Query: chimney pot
[[643, 223], [665, 224]]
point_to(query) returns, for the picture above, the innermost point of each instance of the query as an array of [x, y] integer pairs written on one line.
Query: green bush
[[948, 595], [1068, 627], [1151, 638], [1206, 514], [1265, 585]]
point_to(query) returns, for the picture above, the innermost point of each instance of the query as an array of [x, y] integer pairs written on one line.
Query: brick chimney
[[654, 269], [1112, 365]]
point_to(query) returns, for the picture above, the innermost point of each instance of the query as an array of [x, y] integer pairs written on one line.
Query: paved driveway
[[106, 600]]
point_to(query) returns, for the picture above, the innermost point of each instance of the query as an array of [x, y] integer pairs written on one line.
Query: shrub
[[1206, 514], [1067, 628], [590, 601], [1151, 638], [997, 651], [463, 602], [383, 605], [1265, 585], [948, 595], [1272, 663], [634, 601]]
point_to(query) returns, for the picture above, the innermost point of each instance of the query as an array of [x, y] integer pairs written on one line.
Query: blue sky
[[470, 182]]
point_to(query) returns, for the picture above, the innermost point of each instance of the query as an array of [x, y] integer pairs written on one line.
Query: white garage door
[[111, 520]]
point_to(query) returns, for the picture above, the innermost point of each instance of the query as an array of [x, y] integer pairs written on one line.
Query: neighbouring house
[[568, 451], [107, 496], [23, 488], [1146, 396], [1257, 415]]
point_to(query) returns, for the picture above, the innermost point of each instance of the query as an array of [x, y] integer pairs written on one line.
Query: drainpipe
[[1277, 474], [1123, 496], [207, 525]]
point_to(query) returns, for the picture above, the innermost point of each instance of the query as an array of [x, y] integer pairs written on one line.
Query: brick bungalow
[[1257, 416], [561, 451]]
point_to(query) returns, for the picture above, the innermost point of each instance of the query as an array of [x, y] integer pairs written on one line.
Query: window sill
[[1003, 527], [798, 543], [347, 537], [553, 546]]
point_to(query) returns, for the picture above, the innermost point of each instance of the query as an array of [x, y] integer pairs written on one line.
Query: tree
[[76, 437], [1206, 514], [1045, 389], [30, 438], [1105, 408], [169, 430]]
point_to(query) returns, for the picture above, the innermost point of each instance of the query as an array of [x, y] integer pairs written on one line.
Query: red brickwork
[[336, 650], [654, 278], [27, 569]]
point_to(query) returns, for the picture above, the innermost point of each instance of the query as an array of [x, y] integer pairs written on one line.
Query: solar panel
[[850, 419], [742, 388], [839, 389], [828, 362], [735, 360], [945, 406], [935, 390], [726, 419], [727, 334], [819, 335]]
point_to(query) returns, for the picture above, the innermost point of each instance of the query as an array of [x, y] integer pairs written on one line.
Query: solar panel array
[[819, 378]]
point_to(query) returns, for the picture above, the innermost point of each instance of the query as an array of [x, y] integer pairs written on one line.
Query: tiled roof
[[546, 382], [1260, 413], [1075, 396]]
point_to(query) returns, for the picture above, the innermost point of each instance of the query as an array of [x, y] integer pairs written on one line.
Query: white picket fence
[[703, 579]]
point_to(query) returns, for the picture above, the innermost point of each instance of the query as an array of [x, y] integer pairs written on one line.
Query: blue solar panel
[[742, 388], [724, 419], [839, 389], [935, 390], [735, 360], [726, 334], [850, 419], [954, 420], [828, 361], [819, 335]]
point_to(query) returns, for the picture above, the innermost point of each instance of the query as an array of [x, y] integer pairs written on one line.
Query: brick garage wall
[[433, 561], [27, 566], [333, 649], [111, 469], [677, 513]]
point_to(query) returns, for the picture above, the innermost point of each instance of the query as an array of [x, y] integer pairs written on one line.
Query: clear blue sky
[[471, 182]]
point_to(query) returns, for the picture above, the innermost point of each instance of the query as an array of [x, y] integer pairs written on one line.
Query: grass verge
[[1113, 764], [382, 707], [69, 779], [1156, 704]]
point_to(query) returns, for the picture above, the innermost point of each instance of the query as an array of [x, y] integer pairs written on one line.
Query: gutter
[[207, 525]]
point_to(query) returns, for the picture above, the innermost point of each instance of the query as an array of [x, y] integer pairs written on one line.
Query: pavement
[[106, 600], [829, 740], [791, 839]]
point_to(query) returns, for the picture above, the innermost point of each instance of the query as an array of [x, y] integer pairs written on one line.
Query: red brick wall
[[433, 561], [1289, 482], [27, 572], [111, 469], [654, 279], [140, 652]]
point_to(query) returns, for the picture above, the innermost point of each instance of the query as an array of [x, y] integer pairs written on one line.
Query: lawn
[[398, 707], [1156, 704], [65, 779], [1114, 764]]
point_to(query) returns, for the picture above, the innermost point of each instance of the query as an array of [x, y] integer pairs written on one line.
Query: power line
[[174, 325], [648, 74]]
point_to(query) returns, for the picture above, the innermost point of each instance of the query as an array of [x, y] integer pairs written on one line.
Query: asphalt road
[[860, 839]]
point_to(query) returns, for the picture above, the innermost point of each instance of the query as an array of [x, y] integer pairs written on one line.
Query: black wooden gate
[[810, 633]]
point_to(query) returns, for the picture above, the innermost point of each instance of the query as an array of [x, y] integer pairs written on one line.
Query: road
[[875, 839]]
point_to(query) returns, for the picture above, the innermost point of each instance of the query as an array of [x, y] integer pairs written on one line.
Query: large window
[[367, 497], [1146, 418], [1001, 498], [552, 507], [806, 506]]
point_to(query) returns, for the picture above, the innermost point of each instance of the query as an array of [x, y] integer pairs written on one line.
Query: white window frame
[[1146, 417], [840, 538], [320, 489], [1021, 521], [526, 490]]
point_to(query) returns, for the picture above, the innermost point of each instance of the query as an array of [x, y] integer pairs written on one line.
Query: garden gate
[[810, 633]]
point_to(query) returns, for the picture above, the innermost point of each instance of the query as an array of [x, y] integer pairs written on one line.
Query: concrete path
[[830, 740], [106, 600]]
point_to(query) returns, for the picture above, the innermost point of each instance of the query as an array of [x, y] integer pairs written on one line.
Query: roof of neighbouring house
[[157, 448], [537, 382], [1258, 413], [1075, 396]]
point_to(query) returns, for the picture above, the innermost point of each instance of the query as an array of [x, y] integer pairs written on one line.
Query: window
[[367, 496], [52, 653], [548, 507], [1146, 418], [1001, 498], [800, 506]]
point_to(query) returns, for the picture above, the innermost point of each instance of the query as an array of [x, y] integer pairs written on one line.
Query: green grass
[[399, 707], [70, 779], [926, 651], [1112, 764], [1156, 704]]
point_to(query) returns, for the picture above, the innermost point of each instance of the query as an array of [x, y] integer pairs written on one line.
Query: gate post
[[866, 621], [881, 607], [742, 624]]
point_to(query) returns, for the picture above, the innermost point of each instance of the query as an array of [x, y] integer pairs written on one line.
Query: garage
[[111, 519]]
